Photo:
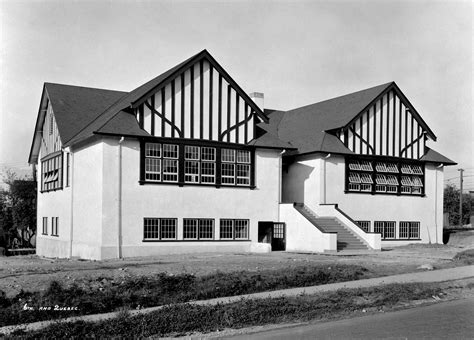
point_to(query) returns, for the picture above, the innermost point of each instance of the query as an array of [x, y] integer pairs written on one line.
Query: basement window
[[159, 229], [385, 228], [231, 229]]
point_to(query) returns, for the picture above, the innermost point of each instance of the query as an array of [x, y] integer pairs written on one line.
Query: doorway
[[272, 233]]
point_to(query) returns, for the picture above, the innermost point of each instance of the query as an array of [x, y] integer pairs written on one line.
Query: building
[[188, 162]]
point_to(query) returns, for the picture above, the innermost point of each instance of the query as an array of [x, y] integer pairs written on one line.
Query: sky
[[295, 52]]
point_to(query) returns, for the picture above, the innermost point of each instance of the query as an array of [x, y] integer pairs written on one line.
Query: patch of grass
[[106, 294], [183, 319], [466, 257]]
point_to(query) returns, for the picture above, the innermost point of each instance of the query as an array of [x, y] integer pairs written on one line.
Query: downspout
[[119, 198], [71, 183], [436, 201], [280, 181], [324, 177]]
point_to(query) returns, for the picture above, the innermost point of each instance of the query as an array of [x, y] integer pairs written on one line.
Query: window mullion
[[181, 163], [218, 167]]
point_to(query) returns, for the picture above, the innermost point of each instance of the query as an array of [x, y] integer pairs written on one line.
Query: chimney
[[257, 98]]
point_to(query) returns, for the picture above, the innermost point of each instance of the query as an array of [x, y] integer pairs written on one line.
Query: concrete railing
[[302, 235], [373, 240]]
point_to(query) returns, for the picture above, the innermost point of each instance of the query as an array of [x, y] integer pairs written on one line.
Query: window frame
[[410, 226], [199, 225], [159, 231], [44, 230], [209, 164], [52, 168], [387, 176], [385, 226], [55, 226], [234, 229]]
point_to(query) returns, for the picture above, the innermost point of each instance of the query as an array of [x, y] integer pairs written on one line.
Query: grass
[[184, 319], [106, 295], [466, 257]]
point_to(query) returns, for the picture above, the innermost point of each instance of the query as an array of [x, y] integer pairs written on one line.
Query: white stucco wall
[[88, 180], [53, 204], [172, 201], [427, 210], [301, 235]]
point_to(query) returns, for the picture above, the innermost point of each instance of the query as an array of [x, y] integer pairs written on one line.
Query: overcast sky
[[296, 52]]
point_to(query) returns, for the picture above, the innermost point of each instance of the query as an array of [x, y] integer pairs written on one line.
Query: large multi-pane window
[[196, 164], [159, 228], [385, 228], [409, 230], [231, 229], [52, 173], [384, 177], [198, 229]]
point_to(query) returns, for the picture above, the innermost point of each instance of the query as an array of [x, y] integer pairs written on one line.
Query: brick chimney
[[257, 97]]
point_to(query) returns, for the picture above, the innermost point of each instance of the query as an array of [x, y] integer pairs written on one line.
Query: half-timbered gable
[[389, 126], [200, 102]]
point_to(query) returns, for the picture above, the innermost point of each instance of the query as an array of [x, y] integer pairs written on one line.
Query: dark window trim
[[374, 160], [58, 183], [55, 226], [181, 162], [159, 230], [382, 235], [197, 231], [233, 229], [44, 230]]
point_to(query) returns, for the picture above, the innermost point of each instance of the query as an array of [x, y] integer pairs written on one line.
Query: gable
[[201, 102], [389, 126], [50, 139]]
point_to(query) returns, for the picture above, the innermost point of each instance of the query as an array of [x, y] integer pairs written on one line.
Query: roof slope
[[75, 106], [306, 127], [436, 157]]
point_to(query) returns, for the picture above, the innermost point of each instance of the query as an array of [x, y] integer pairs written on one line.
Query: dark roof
[[136, 96], [436, 157], [76, 106], [305, 127]]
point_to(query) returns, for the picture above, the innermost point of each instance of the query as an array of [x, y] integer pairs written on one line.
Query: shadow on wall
[[294, 182]]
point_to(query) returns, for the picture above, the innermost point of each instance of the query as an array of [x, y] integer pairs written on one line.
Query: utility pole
[[460, 196]]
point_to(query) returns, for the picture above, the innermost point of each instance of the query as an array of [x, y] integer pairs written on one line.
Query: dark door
[[265, 230], [278, 236]]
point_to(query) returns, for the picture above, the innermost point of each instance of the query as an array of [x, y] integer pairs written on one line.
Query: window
[[159, 228], [196, 165], [279, 230], [51, 172], [364, 225], [45, 226], [234, 229], [198, 229], [409, 230], [389, 177], [235, 168], [54, 226], [385, 228]]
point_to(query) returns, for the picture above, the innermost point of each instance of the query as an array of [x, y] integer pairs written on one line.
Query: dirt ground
[[34, 273]]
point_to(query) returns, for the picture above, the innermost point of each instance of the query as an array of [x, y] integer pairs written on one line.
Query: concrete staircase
[[346, 239]]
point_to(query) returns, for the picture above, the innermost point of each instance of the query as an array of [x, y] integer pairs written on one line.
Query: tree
[[18, 210], [451, 205]]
